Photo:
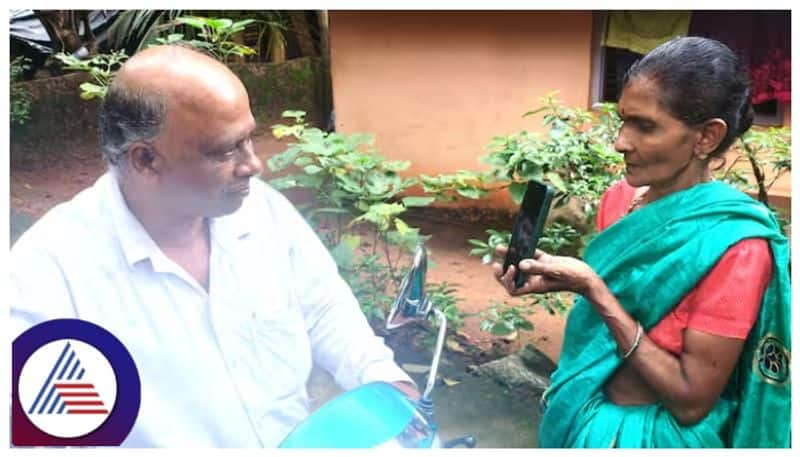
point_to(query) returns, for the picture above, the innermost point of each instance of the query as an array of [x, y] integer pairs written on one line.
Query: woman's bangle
[[636, 340]]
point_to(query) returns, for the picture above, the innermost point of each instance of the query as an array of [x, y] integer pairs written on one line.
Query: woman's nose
[[622, 144]]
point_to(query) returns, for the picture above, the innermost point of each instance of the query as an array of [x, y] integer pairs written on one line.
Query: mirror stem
[[437, 352]]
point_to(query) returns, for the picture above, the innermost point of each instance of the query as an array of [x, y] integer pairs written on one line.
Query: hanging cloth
[[763, 41], [642, 31]]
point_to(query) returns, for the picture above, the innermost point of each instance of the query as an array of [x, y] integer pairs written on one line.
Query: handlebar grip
[[466, 441]]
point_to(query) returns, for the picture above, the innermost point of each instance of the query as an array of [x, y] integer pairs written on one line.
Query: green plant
[[134, 30], [214, 36], [575, 156], [357, 206], [762, 150], [503, 319], [20, 98], [486, 249], [443, 297], [101, 68], [559, 238]]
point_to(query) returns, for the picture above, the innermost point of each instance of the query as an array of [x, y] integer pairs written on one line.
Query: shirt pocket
[[280, 347]]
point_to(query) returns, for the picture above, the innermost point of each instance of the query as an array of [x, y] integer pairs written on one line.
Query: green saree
[[650, 260]]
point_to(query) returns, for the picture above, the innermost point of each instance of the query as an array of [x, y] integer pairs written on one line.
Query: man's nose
[[249, 164]]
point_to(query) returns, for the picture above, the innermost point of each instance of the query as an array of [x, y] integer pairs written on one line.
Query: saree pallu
[[650, 260]]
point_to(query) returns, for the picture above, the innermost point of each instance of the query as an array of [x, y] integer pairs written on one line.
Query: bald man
[[215, 284]]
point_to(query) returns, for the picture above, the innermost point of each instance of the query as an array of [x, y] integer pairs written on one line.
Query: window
[[752, 34]]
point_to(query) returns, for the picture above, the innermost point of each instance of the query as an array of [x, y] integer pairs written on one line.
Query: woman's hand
[[548, 273]]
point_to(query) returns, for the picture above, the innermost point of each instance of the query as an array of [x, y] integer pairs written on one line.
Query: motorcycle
[[377, 414]]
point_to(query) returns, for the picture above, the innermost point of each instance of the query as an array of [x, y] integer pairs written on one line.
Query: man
[[218, 288]]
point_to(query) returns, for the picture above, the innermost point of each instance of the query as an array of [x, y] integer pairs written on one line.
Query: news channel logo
[[73, 384]]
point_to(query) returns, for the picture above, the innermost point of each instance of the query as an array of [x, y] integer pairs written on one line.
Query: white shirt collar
[[136, 242]]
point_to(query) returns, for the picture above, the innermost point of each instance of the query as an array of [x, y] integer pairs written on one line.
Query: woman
[[681, 334]]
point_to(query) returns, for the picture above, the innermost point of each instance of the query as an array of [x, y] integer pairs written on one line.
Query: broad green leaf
[[284, 182], [418, 201], [195, 22], [242, 24], [501, 329], [471, 192], [525, 325], [282, 160], [297, 115], [219, 23], [556, 181], [302, 161], [517, 191], [279, 130], [312, 169], [343, 254], [401, 226]]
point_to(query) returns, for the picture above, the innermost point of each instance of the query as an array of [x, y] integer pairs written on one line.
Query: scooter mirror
[[412, 302]]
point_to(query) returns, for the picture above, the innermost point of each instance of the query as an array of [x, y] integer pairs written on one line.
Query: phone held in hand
[[528, 226]]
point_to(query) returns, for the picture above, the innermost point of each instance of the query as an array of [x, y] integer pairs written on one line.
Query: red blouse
[[724, 303]]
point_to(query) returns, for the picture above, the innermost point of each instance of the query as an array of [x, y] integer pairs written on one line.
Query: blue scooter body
[[373, 415]]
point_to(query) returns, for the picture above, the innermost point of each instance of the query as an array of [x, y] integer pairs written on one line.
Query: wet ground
[[467, 404]]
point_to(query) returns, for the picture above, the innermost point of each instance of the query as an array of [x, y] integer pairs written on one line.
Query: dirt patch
[[477, 289]]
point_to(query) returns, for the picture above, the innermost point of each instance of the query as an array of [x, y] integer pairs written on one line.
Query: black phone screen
[[528, 226]]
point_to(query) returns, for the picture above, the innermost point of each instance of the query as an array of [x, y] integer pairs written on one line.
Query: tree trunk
[[63, 28], [322, 20], [327, 83], [300, 27]]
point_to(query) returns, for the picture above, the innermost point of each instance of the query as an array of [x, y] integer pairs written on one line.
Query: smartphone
[[528, 226]]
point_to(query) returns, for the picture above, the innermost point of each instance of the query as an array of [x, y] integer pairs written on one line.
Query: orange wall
[[434, 87]]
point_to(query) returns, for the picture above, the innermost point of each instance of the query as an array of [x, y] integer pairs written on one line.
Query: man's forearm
[[408, 388]]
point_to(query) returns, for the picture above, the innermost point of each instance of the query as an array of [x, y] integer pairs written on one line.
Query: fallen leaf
[[415, 368], [454, 346], [450, 382], [511, 336]]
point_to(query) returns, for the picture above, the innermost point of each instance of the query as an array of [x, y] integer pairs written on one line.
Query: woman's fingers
[[501, 250], [505, 279], [535, 284], [497, 270], [537, 267]]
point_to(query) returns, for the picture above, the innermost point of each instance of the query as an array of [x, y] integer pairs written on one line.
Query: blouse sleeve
[[613, 205], [727, 300]]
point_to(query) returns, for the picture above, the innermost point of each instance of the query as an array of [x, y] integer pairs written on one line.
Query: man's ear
[[711, 135], [144, 158]]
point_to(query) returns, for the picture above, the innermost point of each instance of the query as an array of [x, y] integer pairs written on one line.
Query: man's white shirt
[[223, 368]]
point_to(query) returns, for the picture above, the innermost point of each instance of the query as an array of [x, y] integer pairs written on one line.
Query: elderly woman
[[681, 333]]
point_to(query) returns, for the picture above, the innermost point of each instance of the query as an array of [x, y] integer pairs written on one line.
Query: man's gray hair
[[128, 115]]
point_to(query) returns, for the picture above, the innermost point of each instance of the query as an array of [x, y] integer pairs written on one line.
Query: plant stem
[[389, 264], [758, 173]]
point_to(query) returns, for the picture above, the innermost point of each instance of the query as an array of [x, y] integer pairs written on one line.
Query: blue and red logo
[[73, 384]]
